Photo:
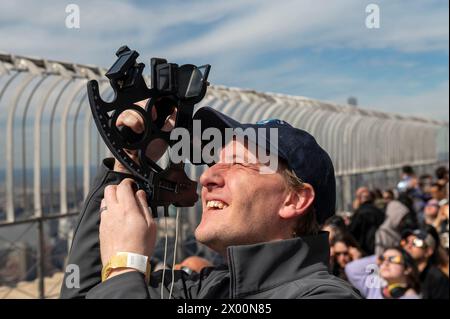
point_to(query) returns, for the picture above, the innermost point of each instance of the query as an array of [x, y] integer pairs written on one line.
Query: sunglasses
[[398, 260], [417, 242]]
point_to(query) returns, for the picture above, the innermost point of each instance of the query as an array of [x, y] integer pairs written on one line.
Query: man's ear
[[297, 202]]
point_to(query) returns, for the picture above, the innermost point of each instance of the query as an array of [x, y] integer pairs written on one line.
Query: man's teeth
[[216, 204]]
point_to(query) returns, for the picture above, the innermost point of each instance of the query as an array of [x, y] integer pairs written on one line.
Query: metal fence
[[50, 148]]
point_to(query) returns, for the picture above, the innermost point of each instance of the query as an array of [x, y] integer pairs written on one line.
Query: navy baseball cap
[[299, 149]]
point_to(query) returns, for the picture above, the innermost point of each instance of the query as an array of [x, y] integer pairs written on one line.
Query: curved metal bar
[[346, 164], [24, 148], [63, 147], [74, 142], [7, 84], [103, 86], [37, 189], [52, 117], [336, 119], [10, 216], [87, 149], [338, 141], [87, 153], [301, 116]]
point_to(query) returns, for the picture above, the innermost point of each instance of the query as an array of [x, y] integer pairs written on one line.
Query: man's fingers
[[125, 195], [142, 103], [110, 196], [169, 124], [142, 200], [131, 119], [103, 207], [154, 113]]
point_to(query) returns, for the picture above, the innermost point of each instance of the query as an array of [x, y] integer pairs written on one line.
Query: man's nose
[[212, 178]]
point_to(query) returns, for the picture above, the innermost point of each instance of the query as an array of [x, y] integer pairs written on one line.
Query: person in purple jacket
[[392, 275]]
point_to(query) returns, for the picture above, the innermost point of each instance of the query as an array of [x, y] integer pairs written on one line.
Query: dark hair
[[436, 258], [409, 221], [371, 198], [377, 193], [412, 279], [439, 186], [307, 223], [336, 222], [407, 170], [390, 192], [347, 239], [441, 171], [425, 176]]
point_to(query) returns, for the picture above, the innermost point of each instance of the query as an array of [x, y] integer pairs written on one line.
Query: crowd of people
[[395, 245]]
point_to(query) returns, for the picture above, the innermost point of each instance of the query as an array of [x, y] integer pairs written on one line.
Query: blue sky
[[318, 49]]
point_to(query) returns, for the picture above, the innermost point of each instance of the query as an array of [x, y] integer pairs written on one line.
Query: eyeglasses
[[398, 260], [417, 242]]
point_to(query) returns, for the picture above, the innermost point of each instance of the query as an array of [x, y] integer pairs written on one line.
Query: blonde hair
[[307, 223]]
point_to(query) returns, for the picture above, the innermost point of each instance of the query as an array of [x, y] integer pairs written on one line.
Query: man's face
[[426, 184], [411, 246], [437, 194], [240, 205], [363, 194], [431, 211]]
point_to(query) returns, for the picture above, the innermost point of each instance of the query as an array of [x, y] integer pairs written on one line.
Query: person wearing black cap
[[266, 225], [423, 245]]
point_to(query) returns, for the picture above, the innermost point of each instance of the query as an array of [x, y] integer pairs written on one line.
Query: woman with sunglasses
[[392, 275]]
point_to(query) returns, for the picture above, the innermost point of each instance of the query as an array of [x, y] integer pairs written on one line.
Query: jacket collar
[[259, 267]]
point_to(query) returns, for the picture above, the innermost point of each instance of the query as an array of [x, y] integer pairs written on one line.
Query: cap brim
[[210, 117]]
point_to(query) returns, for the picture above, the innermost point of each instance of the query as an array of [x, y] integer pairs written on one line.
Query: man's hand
[[135, 122], [126, 225]]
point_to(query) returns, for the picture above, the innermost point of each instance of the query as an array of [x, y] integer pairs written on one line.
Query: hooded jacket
[[294, 268], [388, 235]]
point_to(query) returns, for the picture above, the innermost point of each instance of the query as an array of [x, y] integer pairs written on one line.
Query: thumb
[[132, 120], [170, 122]]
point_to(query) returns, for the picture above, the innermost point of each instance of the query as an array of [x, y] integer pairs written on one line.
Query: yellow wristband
[[127, 260]]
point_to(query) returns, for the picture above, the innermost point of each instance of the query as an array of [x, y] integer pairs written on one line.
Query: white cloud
[[234, 32], [412, 26], [244, 26]]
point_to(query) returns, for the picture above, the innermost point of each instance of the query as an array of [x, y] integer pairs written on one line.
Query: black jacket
[[295, 268], [365, 222], [435, 284]]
